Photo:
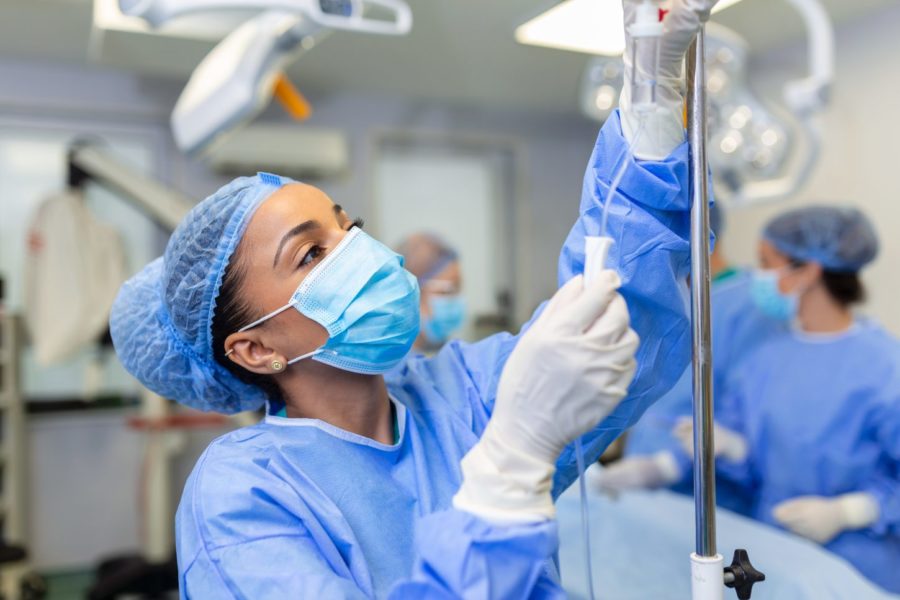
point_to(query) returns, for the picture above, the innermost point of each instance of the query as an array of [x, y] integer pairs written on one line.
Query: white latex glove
[[663, 130], [635, 473], [728, 444], [568, 372], [822, 519]]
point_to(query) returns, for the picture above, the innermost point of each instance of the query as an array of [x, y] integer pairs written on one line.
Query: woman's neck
[[350, 401], [717, 260], [819, 313]]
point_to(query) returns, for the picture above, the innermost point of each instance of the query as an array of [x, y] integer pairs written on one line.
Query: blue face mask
[[369, 304], [769, 298], [447, 315]]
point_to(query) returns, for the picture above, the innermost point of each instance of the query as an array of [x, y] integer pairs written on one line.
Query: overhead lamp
[[589, 26], [723, 4], [592, 26]]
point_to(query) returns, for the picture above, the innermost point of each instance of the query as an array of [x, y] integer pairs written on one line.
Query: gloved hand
[[663, 130], [568, 372], [728, 444], [822, 519], [634, 473]]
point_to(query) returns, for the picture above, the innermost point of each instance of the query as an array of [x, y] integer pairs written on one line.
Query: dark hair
[[231, 314], [844, 287]]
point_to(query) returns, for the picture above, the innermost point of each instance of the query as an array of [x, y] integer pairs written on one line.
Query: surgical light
[[605, 97], [236, 80], [600, 87], [756, 154], [769, 137]]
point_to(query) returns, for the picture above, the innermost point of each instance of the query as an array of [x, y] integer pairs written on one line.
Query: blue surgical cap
[[161, 321], [839, 238], [425, 255]]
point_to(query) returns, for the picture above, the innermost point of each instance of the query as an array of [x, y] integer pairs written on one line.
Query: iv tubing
[[585, 524], [579, 451], [617, 179]]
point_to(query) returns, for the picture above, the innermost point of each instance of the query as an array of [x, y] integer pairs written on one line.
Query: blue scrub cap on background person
[[840, 238], [426, 255], [161, 320]]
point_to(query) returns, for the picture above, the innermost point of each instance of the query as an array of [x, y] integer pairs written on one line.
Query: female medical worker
[[811, 421], [436, 268], [375, 476]]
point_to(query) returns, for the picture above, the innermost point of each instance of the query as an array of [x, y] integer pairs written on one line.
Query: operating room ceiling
[[462, 51]]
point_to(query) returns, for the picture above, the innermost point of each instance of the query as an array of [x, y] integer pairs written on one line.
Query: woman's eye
[[314, 253]]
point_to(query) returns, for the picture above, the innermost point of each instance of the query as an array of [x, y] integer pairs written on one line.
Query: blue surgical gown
[[821, 414], [738, 328], [294, 508]]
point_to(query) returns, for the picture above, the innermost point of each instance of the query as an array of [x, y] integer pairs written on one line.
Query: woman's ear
[[247, 349], [809, 274]]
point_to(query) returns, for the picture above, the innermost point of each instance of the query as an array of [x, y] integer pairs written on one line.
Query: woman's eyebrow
[[298, 230]]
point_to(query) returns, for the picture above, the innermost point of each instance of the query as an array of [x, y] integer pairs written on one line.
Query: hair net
[[425, 255], [838, 238], [162, 318]]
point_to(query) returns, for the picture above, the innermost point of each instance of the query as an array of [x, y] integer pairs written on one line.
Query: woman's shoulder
[[233, 484], [876, 333], [235, 498], [239, 453], [775, 340], [874, 342]]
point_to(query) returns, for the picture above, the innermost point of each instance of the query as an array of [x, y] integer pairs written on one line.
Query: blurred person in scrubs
[[441, 305], [382, 474], [811, 421], [654, 457]]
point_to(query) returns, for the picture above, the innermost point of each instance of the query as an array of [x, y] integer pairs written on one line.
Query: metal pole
[[704, 464]]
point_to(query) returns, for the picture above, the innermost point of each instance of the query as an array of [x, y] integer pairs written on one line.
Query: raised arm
[[649, 221]]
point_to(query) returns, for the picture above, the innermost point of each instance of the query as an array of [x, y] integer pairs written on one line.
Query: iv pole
[[708, 574]]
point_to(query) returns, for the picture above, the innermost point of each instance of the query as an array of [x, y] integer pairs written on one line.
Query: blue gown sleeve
[[649, 221], [885, 487], [462, 556], [734, 406], [653, 432], [459, 556]]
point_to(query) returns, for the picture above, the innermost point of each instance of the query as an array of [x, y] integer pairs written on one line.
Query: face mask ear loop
[[274, 313], [302, 356], [260, 320], [311, 354]]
